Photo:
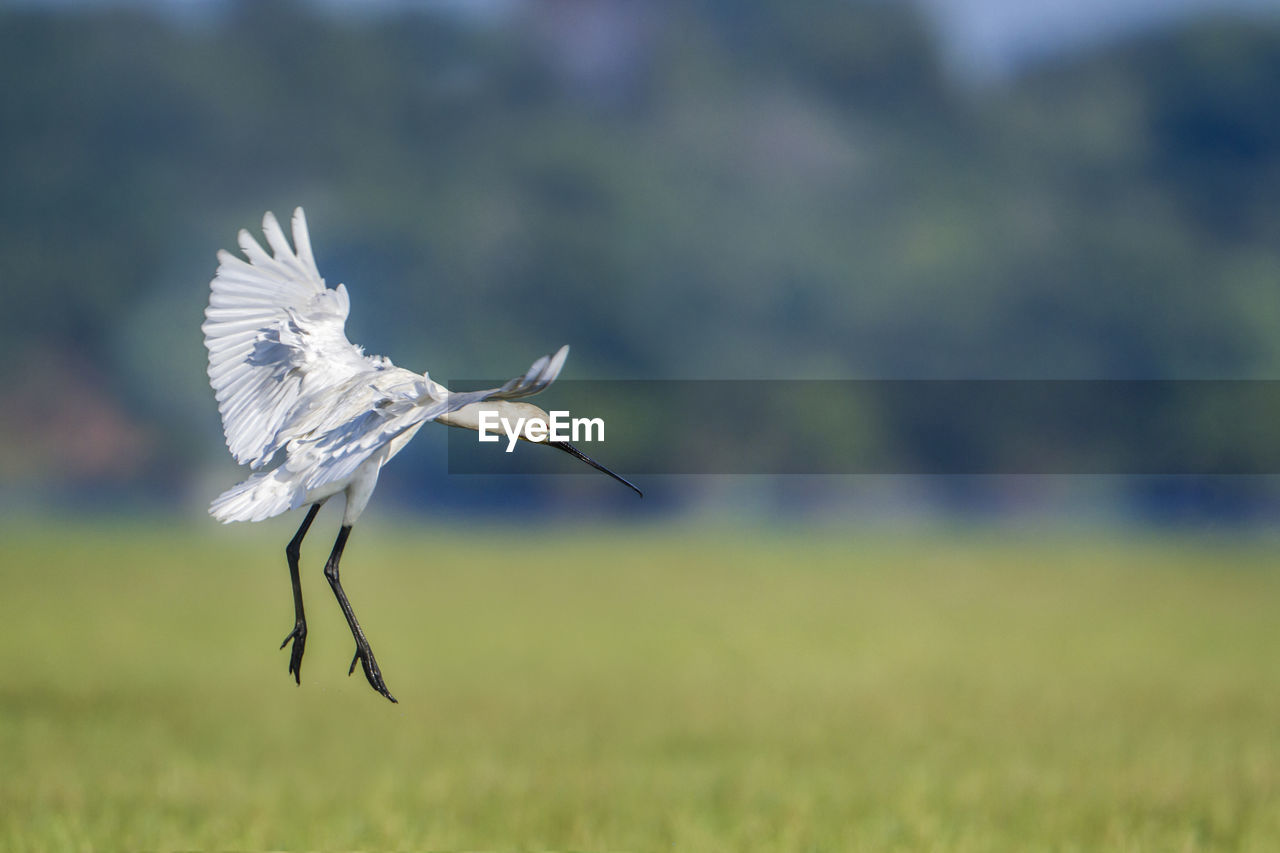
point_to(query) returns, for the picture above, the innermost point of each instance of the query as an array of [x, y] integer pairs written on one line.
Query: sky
[[993, 38], [983, 39]]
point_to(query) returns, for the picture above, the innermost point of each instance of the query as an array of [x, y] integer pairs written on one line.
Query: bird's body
[[308, 410]]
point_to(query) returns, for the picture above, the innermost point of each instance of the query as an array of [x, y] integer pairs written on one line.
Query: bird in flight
[[313, 415]]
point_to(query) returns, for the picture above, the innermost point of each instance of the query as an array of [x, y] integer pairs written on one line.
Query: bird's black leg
[[364, 654], [299, 632]]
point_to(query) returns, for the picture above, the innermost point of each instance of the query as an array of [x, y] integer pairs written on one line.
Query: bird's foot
[[299, 637], [364, 655]]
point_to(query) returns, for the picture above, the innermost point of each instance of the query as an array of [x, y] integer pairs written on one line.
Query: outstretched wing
[[541, 374], [275, 336]]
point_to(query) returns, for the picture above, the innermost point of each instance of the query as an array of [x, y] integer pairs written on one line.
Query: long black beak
[[575, 452]]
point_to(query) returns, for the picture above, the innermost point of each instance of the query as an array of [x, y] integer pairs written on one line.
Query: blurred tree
[[711, 190]]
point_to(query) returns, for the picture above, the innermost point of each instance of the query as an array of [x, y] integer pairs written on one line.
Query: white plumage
[[287, 379], [311, 413]]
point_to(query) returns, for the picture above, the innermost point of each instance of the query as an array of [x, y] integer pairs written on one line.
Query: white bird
[[293, 390]]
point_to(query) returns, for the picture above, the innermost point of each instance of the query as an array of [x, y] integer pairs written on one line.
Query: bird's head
[[512, 421]]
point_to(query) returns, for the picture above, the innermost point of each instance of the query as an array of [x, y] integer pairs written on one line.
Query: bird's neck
[[508, 411]]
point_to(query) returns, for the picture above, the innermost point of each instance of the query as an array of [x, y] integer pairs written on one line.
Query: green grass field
[[652, 689]]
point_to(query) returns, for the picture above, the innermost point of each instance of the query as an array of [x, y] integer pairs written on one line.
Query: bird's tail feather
[[261, 496]]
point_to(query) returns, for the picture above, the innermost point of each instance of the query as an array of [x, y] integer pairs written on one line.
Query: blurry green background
[[954, 189], [708, 190]]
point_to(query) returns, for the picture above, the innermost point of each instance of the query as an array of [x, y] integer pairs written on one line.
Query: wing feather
[[539, 375], [302, 240], [275, 335]]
